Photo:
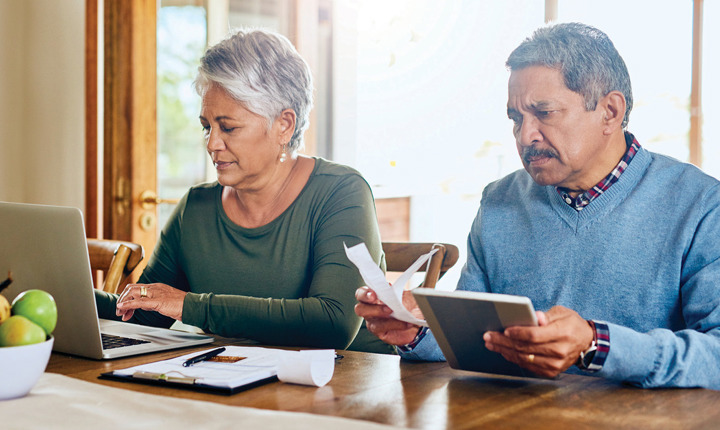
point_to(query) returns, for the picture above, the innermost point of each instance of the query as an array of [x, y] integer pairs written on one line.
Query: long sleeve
[[689, 357], [286, 283]]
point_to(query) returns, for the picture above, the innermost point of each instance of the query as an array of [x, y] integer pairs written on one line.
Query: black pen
[[202, 357]]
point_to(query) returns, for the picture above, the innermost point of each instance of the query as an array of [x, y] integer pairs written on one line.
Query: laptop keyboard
[[111, 341]]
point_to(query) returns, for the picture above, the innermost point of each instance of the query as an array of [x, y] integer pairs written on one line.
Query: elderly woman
[[259, 253]]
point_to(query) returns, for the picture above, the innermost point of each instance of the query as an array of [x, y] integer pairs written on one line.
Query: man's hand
[[152, 297], [379, 321], [549, 349]]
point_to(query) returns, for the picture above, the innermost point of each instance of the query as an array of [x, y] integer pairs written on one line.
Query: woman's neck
[[256, 208]]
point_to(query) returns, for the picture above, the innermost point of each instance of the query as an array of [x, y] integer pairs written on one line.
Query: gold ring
[[143, 291], [531, 358]]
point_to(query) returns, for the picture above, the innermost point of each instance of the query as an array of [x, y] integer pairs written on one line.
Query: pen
[[202, 357]]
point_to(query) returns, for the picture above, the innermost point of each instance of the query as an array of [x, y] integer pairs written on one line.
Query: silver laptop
[[45, 248]]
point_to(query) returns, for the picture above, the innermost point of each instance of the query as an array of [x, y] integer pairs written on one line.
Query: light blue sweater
[[644, 257]]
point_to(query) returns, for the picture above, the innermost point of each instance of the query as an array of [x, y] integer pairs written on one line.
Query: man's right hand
[[379, 321]]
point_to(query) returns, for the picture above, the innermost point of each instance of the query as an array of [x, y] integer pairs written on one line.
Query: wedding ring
[[143, 291], [531, 358]]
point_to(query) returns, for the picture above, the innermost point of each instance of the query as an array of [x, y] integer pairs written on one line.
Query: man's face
[[559, 142]]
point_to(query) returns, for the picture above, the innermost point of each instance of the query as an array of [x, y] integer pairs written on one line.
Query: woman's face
[[244, 151]]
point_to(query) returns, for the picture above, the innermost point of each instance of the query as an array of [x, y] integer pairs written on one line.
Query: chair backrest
[[116, 259], [401, 255]]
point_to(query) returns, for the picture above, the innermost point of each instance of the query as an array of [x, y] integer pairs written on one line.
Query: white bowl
[[21, 367]]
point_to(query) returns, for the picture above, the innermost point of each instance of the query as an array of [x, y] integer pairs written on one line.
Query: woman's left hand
[[161, 298]]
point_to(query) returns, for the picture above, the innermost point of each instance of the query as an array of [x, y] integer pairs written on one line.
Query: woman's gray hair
[[587, 58], [262, 71]]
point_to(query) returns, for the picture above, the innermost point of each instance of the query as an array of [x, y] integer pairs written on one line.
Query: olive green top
[[288, 282]]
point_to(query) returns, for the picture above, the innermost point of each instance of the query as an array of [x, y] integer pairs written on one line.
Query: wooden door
[[130, 136]]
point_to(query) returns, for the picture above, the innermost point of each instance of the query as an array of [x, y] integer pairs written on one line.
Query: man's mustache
[[531, 152]]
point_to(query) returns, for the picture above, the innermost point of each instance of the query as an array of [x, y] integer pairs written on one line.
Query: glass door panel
[[181, 156]]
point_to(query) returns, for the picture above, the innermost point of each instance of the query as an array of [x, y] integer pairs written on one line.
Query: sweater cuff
[[426, 349], [633, 355], [193, 312], [410, 346]]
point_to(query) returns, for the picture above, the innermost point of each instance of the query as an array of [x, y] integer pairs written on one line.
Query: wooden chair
[[401, 255], [115, 258]]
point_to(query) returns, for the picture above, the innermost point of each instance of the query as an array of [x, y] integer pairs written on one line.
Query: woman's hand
[[161, 298], [378, 319]]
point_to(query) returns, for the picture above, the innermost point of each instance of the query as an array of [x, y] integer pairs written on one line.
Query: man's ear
[[285, 124], [613, 110]]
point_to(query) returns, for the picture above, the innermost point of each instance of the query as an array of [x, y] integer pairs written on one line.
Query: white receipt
[[374, 277], [311, 367]]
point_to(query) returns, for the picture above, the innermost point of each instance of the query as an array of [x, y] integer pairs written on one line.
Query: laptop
[[45, 248], [458, 319]]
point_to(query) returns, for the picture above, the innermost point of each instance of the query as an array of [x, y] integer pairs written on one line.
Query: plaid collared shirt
[[584, 199]]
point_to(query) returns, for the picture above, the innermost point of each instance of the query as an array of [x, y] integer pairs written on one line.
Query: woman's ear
[[613, 110], [285, 124]]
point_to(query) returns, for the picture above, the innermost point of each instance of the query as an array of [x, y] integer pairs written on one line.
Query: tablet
[[458, 319]]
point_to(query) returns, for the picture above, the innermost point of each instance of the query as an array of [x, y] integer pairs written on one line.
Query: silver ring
[[143, 291]]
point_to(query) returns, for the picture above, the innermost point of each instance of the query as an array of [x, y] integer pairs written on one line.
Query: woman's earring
[[283, 154]]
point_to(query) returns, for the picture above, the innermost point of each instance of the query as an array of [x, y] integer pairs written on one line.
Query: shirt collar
[[584, 199]]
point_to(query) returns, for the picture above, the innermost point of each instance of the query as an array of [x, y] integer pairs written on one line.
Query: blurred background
[[412, 93]]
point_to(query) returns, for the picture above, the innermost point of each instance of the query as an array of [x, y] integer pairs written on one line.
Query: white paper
[[307, 367], [310, 367], [374, 277]]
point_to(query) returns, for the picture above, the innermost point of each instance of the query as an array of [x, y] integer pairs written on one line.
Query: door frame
[[126, 166]]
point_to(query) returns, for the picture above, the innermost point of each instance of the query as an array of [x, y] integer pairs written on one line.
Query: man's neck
[[609, 158]]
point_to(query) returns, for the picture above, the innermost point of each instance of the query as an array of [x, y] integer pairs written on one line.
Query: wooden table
[[384, 389]]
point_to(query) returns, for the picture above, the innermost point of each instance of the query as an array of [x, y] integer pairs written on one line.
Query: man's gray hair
[[262, 71], [587, 58]]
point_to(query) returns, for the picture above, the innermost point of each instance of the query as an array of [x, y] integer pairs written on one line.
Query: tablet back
[[458, 319]]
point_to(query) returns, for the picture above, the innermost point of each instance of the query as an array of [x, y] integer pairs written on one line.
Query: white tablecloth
[[59, 401]]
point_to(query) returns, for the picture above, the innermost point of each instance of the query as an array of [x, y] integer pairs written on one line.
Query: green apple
[[4, 309], [18, 330], [38, 306]]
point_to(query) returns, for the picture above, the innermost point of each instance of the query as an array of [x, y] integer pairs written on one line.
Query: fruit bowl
[[21, 367]]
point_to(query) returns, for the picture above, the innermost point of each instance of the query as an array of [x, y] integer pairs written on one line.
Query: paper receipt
[[374, 277], [309, 367]]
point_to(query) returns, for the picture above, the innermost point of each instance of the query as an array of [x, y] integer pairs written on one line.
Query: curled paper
[[314, 367], [374, 277]]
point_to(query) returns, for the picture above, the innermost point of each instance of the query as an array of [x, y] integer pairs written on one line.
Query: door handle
[[149, 198]]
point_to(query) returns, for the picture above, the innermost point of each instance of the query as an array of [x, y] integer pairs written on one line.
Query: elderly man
[[620, 245]]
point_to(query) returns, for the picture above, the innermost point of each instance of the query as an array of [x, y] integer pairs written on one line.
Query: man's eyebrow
[[541, 105], [512, 111]]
